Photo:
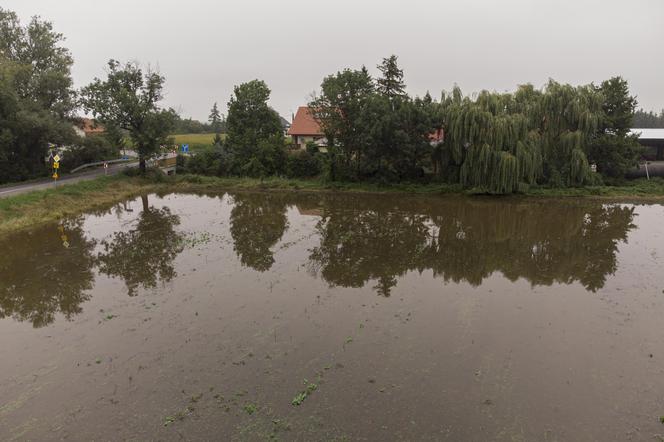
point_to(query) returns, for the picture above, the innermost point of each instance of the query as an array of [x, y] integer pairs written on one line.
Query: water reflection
[[258, 221], [144, 254], [378, 243], [468, 240], [45, 272], [356, 241]]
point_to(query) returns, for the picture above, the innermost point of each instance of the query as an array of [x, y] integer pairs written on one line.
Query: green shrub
[[214, 161], [303, 164], [93, 149]]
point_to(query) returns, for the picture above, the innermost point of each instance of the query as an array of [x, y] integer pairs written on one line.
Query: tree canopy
[[560, 135], [391, 83], [255, 136], [36, 95], [129, 99]]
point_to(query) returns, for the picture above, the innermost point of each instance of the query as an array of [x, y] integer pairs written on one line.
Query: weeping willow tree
[[505, 142]]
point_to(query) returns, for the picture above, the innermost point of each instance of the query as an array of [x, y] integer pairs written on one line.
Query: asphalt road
[[65, 179]]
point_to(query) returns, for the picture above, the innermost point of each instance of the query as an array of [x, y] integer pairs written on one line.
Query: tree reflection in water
[[468, 240], [361, 239], [143, 255], [258, 221], [44, 272]]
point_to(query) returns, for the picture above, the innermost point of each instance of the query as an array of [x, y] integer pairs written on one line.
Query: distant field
[[194, 139]]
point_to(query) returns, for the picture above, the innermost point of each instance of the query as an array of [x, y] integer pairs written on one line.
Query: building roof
[[89, 126], [649, 134], [304, 123]]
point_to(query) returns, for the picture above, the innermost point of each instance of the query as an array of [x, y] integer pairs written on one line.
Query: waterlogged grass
[[638, 188], [50, 205]]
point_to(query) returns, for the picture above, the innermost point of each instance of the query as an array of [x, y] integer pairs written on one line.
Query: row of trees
[[216, 123], [374, 129], [650, 119], [38, 104], [498, 142], [504, 142]]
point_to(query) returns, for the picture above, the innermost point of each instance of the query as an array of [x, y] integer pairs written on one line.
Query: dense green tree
[[391, 82], [614, 150], [255, 137], [115, 136], [215, 118], [375, 130], [36, 95], [618, 106], [504, 142], [129, 99], [43, 65], [338, 108]]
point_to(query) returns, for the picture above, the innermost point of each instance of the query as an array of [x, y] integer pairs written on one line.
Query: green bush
[[215, 161], [92, 149], [303, 164]]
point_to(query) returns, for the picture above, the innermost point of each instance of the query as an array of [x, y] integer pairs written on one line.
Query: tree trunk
[[141, 164], [146, 204]]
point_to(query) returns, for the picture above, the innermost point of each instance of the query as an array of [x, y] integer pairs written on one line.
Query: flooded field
[[281, 316]]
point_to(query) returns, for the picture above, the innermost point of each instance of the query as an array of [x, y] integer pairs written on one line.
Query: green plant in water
[[301, 396], [180, 415]]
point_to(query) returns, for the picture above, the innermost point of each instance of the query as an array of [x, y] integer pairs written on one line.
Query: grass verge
[[50, 205]]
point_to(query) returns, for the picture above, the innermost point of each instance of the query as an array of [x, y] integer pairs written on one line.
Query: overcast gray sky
[[204, 47]]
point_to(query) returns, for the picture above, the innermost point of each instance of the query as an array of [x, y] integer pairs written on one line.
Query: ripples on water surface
[[417, 318]]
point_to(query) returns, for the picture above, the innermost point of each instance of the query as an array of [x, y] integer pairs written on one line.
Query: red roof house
[[305, 128]]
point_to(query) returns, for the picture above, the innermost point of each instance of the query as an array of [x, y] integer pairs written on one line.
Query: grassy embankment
[[53, 204]]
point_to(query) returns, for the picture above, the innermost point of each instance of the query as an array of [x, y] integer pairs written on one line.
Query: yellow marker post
[[56, 166]]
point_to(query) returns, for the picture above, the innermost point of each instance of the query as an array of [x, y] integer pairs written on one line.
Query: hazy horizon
[[204, 48]]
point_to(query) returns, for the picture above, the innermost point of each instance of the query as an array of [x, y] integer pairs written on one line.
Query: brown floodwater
[[385, 317]]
